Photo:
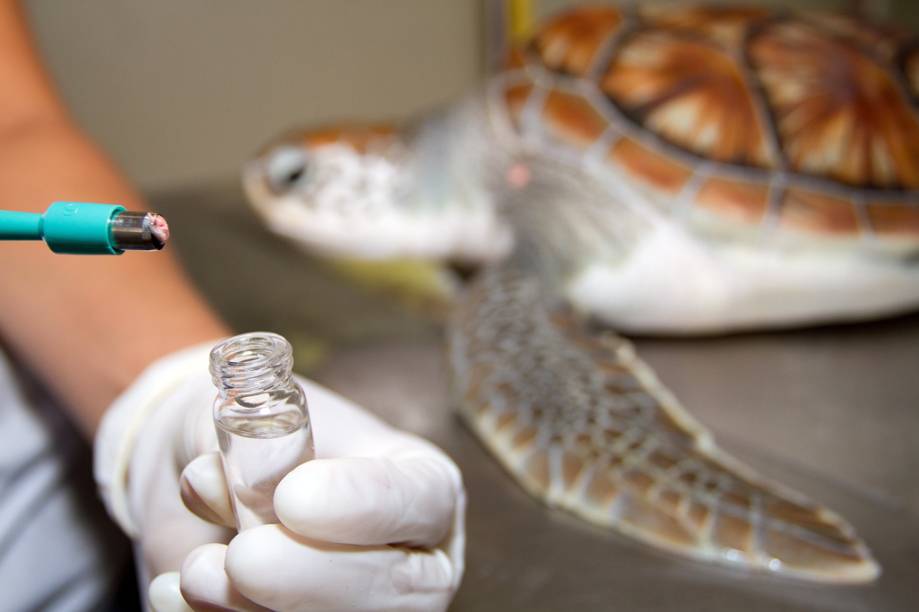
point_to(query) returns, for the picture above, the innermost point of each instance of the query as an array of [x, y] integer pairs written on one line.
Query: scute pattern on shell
[[788, 123], [726, 25], [839, 113], [571, 42], [691, 93], [882, 41]]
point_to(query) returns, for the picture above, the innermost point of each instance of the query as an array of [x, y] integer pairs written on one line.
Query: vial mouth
[[251, 362]]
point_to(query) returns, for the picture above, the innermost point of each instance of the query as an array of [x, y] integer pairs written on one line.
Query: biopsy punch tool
[[82, 228], [260, 413]]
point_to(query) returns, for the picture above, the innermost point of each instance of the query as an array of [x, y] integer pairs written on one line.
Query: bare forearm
[[87, 325]]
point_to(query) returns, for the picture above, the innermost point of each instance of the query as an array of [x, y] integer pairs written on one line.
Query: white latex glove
[[374, 523]]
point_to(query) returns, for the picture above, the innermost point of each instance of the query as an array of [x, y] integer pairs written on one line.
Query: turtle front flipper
[[584, 425]]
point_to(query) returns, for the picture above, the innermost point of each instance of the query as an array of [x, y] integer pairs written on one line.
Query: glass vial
[[262, 421]]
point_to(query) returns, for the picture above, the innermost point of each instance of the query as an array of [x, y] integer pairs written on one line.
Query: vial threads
[[261, 418]]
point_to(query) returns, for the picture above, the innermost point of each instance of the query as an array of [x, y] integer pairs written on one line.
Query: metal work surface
[[833, 412]]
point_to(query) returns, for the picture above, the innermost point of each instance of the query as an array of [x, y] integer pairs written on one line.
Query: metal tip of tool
[[140, 231]]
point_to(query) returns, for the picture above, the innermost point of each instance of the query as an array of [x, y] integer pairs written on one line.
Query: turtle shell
[[801, 124]]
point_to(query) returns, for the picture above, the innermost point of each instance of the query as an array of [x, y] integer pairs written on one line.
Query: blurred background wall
[[182, 91]]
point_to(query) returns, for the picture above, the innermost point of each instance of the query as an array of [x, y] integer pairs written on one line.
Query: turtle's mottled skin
[[669, 169], [583, 424]]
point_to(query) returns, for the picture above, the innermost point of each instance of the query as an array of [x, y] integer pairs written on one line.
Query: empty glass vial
[[262, 421]]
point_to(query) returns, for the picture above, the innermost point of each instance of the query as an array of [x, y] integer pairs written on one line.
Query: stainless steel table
[[833, 412]]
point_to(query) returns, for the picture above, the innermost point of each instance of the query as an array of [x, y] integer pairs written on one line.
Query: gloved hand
[[374, 523]]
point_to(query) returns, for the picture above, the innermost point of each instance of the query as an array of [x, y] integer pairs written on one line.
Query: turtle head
[[364, 193]]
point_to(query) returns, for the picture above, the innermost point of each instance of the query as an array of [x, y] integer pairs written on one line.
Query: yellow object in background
[[520, 20], [413, 281]]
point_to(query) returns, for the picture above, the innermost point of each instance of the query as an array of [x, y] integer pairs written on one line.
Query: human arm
[[114, 328], [86, 325]]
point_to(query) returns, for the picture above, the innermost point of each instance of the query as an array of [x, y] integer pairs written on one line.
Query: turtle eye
[[286, 169]]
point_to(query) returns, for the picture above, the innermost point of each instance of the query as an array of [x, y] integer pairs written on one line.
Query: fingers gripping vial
[[262, 421], [81, 228]]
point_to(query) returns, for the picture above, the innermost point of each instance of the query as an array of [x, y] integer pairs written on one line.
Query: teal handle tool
[[83, 228]]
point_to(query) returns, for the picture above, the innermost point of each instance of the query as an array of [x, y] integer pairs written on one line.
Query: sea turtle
[[666, 169]]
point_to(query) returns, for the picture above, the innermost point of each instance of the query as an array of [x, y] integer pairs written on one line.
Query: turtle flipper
[[583, 424]]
